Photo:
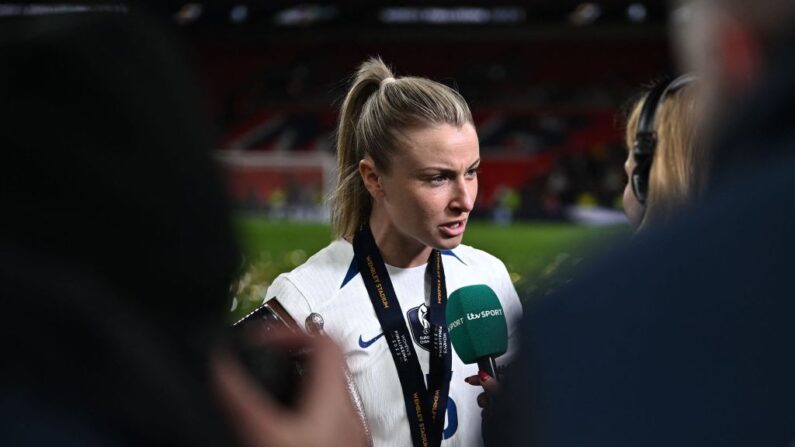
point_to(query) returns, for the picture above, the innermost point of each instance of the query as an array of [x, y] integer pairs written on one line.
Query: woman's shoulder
[[331, 261], [320, 273], [475, 257], [305, 288]]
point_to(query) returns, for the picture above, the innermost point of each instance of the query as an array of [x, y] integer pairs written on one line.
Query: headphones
[[646, 134]]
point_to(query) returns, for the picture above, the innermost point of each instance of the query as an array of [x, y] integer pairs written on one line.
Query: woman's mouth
[[453, 229]]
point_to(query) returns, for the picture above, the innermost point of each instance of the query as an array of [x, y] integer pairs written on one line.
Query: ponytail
[[351, 202]]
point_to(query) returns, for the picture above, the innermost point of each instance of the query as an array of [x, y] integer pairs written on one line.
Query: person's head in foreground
[[408, 156], [730, 44], [666, 167], [743, 53]]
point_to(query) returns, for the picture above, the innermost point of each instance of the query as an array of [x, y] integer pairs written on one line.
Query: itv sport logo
[[474, 316]]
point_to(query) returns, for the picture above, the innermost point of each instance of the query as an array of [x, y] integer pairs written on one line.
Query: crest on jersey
[[420, 326]]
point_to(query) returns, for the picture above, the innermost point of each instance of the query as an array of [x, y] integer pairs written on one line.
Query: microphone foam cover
[[476, 323]]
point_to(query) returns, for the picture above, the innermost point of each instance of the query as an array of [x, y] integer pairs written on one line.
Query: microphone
[[477, 327]]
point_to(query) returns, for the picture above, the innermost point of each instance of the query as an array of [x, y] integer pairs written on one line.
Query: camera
[[277, 370]]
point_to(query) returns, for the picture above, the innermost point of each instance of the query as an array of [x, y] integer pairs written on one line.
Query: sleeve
[[512, 307], [290, 297]]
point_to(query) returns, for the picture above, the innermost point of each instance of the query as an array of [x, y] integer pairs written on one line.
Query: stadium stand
[[546, 109]]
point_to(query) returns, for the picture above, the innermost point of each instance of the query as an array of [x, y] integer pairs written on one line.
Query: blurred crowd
[[551, 119]]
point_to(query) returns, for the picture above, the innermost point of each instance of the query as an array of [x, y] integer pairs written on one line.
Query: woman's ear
[[371, 178]]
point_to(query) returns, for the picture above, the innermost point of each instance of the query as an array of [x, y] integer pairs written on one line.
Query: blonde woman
[[666, 167], [408, 158]]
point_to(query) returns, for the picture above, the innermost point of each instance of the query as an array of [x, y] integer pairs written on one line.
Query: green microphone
[[477, 327]]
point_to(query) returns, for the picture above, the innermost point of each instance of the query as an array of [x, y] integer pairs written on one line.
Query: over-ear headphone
[[646, 134]]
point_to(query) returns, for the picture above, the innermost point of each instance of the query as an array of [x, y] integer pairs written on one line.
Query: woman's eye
[[438, 179], [473, 172]]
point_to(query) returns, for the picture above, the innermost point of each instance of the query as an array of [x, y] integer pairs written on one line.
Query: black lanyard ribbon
[[425, 407]]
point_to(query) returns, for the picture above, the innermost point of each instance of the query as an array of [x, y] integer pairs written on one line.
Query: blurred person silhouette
[[666, 167], [117, 254], [741, 51], [684, 336]]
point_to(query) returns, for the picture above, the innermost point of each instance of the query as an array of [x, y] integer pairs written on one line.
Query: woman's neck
[[396, 248]]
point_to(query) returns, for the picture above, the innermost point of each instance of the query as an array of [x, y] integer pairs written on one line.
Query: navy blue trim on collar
[[450, 253], [353, 270]]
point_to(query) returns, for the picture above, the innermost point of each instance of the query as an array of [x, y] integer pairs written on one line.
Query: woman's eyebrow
[[445, 169], [435, 170]]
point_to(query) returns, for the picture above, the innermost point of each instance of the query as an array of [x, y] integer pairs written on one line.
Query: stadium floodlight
[[400, 15], [585, 14], [189, 12], [637, 13], [451, 16], [455, 15], [508, 15], [44, 9], [304, 15], [238, 14]]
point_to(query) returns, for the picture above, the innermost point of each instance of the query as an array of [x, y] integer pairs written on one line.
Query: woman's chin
[[447, 243]]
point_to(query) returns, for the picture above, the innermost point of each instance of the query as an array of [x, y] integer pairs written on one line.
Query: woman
[[408, 157], [666, 168]]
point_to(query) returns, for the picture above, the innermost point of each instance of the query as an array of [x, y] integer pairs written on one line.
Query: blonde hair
[[377, 111], [680, 166]]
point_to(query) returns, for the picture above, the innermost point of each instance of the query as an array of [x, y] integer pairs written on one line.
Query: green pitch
[[536, 254]]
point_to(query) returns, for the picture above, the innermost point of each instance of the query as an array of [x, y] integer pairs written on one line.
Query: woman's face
[[432, 185], [632, 208]]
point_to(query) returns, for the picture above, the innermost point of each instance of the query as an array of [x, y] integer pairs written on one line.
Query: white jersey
[[329, 283]]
